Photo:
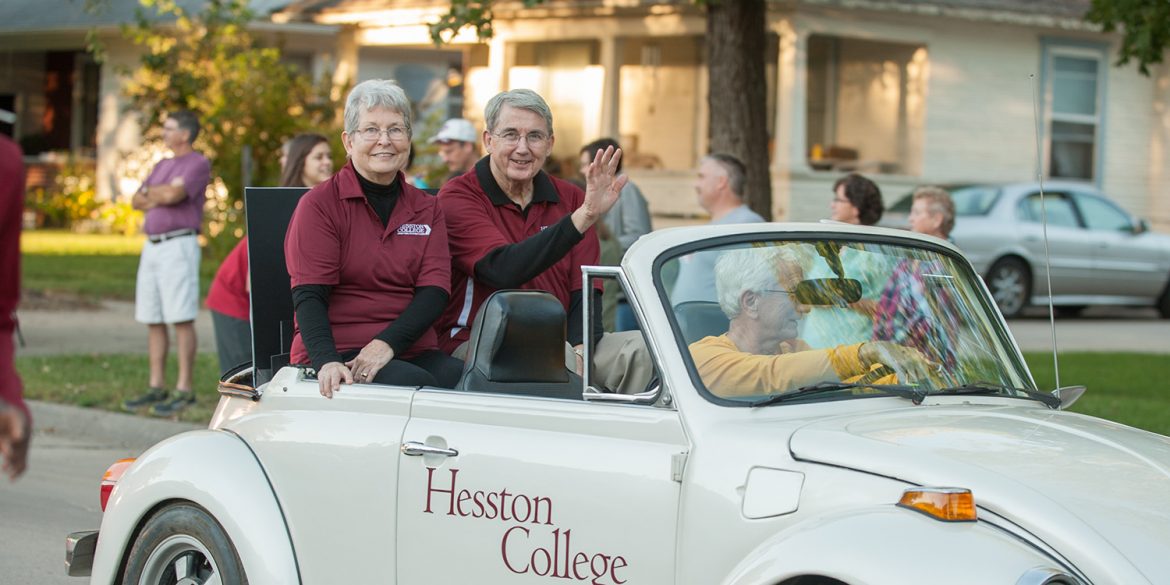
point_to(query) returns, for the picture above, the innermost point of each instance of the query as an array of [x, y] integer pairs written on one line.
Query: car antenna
[[1044, 224]]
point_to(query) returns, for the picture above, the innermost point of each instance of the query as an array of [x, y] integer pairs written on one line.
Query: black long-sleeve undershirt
[[512, 265], [311, 301]]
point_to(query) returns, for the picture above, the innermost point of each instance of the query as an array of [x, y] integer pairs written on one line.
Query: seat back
[[699, 319], [517, 346]]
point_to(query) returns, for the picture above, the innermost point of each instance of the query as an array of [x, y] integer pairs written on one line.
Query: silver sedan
[[1100, 254]]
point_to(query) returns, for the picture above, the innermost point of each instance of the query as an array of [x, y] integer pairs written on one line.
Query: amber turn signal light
[[110, 479], [946, 504]]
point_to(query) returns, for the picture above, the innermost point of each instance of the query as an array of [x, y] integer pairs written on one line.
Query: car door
[[1069, 251], [540, 490], [1125, 263]]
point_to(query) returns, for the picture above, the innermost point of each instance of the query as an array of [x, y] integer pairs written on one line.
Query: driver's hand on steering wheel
[[899, 357]]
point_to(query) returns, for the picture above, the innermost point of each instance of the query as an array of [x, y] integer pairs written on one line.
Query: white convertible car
[[765, 460]]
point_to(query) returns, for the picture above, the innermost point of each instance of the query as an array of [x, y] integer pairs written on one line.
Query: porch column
[[611, 61]]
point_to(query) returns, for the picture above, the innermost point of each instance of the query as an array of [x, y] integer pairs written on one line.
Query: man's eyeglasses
[[534, 139], [394, 133]]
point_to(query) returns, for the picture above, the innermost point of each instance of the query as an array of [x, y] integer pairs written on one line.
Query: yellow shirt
[[729, 372]]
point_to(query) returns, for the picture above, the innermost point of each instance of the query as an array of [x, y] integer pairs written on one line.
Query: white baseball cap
[[456, 129]]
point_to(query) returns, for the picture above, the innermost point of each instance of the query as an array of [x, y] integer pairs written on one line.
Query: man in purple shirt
[[167, 291]]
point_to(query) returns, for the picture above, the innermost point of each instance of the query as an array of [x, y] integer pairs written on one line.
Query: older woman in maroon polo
[[368, 260]]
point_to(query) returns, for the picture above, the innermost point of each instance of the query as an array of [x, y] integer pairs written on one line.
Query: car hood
[[1098, 492]]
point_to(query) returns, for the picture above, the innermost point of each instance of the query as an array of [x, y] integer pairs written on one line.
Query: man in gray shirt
[[720, 190]]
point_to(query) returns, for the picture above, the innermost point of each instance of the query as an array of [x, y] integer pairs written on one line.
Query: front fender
[[217, 471], [889, 545]]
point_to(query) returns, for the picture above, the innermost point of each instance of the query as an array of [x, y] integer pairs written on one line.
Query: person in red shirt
[[511, 225], [308, 163], [368, 261], [15, 421]]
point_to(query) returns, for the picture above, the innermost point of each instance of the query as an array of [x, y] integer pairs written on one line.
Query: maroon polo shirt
[[336, 239], [481, 218]]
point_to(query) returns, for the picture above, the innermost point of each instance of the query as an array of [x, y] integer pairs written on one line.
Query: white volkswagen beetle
[[923, 453]]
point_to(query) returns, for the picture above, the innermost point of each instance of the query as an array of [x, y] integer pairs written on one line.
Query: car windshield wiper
[[914, 394], [990, 388]]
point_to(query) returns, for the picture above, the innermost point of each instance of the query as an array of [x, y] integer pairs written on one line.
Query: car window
[[778, 316], [1100, 214], [1056, 206], [975, 200], [969, 199]]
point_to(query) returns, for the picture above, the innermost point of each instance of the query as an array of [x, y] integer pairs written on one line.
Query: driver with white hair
[[760, 353]]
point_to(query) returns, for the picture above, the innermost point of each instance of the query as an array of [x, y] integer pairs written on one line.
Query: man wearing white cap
[[457, 140]]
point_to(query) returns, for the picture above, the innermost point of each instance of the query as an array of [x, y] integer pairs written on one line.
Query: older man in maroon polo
[[511, 225]]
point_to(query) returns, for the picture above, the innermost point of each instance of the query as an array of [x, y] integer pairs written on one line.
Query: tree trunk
[[737, 98]]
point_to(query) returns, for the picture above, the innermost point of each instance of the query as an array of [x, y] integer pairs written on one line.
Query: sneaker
[[152, 396], [179, 399]]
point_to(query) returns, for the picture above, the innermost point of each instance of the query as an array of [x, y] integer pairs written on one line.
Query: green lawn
[[104, 381], [1129, 388], [93, 266]]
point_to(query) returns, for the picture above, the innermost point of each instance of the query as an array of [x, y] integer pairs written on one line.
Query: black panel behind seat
[[518, 347], [699, 319]]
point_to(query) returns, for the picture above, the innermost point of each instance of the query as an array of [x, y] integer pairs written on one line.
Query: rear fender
[[217, 471], [889, 545]]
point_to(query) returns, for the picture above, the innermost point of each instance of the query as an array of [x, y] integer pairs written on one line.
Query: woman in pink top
[[309, 162]]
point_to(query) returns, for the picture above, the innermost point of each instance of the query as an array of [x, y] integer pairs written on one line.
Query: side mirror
[[1140, 226], [828, 291], [1068, 395]]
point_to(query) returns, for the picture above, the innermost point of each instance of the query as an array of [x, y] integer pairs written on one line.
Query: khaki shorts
[[167, 289]]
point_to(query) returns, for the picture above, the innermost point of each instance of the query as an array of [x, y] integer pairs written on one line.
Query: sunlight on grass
[[63, 242]]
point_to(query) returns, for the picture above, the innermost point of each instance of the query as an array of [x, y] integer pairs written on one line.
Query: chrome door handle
[[415, 449]]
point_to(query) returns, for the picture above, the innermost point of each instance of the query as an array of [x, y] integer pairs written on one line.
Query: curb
[[101, 428]]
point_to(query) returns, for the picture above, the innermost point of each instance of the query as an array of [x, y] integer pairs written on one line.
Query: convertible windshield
[[764, 318]]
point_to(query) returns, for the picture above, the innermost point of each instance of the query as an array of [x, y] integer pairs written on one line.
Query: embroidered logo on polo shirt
[[414, 229]]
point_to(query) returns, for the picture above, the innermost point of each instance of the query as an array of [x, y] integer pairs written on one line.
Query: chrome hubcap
[[180, 560]]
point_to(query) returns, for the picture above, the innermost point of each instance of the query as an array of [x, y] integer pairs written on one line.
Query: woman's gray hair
[[751, 269], [522, 99], [376, 93]]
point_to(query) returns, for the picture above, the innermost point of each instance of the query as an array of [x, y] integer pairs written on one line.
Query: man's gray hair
[[735, 169], [376, 93], [522, 99], [751, 269]]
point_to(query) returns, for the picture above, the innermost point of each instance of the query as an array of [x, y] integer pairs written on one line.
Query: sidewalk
[[108, 329]]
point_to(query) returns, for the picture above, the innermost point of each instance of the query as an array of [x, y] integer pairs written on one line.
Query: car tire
[[1010, 283], [182, 543]]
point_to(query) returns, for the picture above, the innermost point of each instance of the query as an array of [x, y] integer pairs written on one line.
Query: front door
[[540, 491]]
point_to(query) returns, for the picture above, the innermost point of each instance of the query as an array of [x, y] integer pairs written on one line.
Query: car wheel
[[1010, 283], [183, 544]]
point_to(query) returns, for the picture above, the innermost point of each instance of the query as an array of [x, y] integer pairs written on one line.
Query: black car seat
[[517, 346]]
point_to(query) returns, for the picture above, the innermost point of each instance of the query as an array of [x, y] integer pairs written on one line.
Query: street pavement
[[58, 494]]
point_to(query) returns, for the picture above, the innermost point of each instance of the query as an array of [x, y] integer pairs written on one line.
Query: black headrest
[[699, 319], [518, 347]]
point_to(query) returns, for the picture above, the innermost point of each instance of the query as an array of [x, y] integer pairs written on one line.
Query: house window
[[865, 105], [1074, 112]]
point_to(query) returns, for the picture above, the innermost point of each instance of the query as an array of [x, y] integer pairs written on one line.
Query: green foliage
[[70, 197], [246, 98], [1145, 26], [474, 13]]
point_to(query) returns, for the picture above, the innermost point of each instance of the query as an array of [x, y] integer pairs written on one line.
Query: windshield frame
[[962, 264]]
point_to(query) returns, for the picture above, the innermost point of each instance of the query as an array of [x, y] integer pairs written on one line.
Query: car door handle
[[415, 449]]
